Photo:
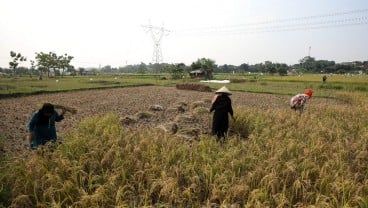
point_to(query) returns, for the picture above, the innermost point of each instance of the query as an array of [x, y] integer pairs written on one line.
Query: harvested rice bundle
[[62, 107]]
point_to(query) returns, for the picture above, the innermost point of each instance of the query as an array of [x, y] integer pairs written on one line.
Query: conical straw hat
[[223, 90]]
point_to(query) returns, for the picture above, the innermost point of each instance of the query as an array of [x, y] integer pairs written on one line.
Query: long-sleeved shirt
[[43, 131], [222, 107], [298, 101]]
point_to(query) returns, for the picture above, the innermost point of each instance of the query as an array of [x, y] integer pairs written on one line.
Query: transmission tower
[[157, 34]]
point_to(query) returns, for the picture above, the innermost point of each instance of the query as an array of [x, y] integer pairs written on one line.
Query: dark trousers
[[220, 124]]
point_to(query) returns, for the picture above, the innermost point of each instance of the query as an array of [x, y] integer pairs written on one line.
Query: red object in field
[[309, 92]]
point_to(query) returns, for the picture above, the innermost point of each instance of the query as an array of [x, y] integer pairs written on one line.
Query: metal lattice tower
[[157, 34]]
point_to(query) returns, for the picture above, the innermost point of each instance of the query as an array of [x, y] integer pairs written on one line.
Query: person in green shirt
[[41, 126]]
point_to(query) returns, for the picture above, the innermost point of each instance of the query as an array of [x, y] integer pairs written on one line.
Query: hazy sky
[[110, 32]]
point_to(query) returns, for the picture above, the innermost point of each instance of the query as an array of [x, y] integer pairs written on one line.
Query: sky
[[114, 32]]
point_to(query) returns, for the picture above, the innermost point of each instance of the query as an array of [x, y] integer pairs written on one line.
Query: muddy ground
[[134, 107]]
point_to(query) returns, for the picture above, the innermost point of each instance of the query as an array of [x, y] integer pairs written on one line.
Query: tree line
[[59, 64], [207, 66], [306, 65], [43, 64]]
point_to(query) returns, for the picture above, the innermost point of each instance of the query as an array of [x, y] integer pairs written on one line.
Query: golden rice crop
[[273, 158]]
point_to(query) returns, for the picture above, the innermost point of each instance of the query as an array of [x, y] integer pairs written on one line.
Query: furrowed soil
[[187, 110]]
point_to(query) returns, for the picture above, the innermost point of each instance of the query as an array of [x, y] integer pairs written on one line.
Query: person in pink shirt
[[298, 101]]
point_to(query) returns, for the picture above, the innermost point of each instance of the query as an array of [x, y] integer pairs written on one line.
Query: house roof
[[196, 71]]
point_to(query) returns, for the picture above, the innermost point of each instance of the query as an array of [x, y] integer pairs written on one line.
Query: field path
[[15, 112]]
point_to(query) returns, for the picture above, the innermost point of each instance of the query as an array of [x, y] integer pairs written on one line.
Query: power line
[[298, 27], [301, 26], [278, 20], [296, 23]]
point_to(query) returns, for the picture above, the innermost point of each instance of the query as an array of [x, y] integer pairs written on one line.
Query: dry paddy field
[[133, 105]]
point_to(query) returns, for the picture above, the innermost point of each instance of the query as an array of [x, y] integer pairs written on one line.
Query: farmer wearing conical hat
[[42, 125], [221, 104], [298, 101]]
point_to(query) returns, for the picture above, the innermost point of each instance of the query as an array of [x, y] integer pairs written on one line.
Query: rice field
[[273, 157]]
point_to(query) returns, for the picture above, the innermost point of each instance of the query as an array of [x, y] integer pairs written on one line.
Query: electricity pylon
[[157, 34]]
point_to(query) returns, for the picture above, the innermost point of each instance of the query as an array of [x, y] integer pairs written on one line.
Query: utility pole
[[157, 34], [309, 51]]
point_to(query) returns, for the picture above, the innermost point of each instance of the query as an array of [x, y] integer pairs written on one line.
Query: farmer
[[42, 125], [324, 79], [221, 104], [298, 101]]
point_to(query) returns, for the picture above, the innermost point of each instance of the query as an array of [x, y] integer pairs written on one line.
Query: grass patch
[[7, 87], [27, 86], [104, 82], [361, 88], [264, 83], [284, 85], [331, 86]]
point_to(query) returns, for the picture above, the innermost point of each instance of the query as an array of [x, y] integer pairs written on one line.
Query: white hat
[[223, 90]]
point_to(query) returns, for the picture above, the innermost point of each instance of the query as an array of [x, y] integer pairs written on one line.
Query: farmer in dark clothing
[[42, 125], [221, 104], [324, 79]]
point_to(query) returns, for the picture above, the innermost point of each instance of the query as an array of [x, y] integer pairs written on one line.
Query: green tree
[[307, 63], [107, 69], [224, 69], [81, 70], [54, 62], [142, 68], [282, 69], [243, 67], [270, 67], [260, 67], [47, 61], [156, 67], [17, 57], [43, 63], [32, 68], [206, 65], [64, 63], [177, 71], [365, 66]]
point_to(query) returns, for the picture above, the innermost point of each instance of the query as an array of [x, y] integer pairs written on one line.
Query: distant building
[[351, 63], [196, 74], [88, 73]]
